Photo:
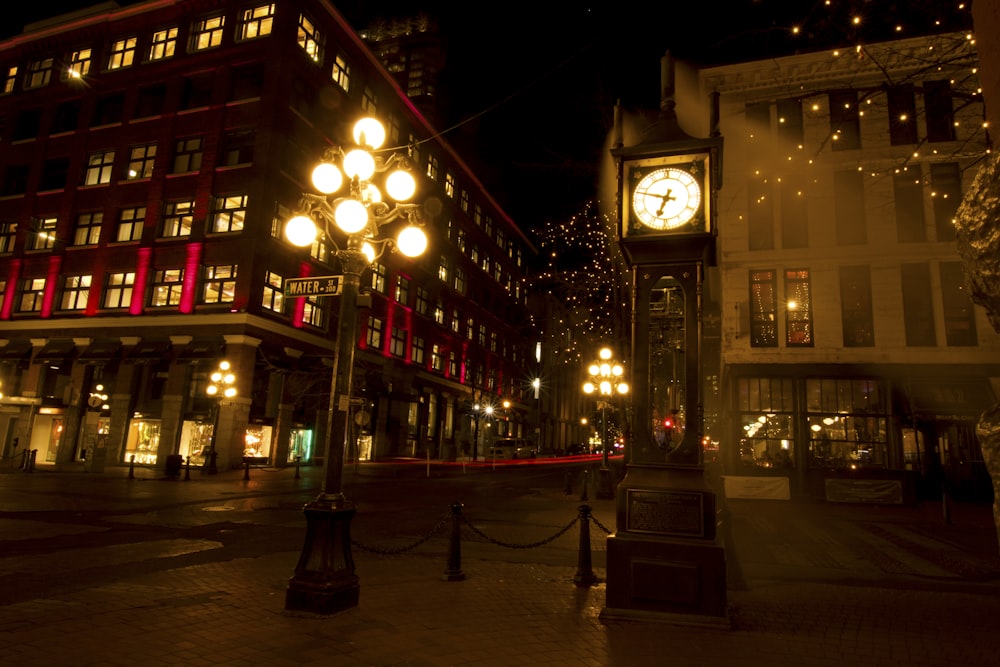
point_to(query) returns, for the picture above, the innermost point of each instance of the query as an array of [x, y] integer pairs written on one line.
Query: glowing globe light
[[368, 250], [327, 178], [412, 241], [351, 216], [369, 132], [400, 185], [300, 231], [371, 194], [359, 164]]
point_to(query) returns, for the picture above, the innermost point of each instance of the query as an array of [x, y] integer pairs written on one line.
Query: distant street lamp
[[606, 377], [222, 384], [324, 579]]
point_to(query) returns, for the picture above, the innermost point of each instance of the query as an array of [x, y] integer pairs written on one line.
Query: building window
[[444, 270], [470, 328], [219, 284], [417, 352], [130, 223], [256, 22], [27, 124], [856, 306], [848, 427], [141, 160], [849, 207], [313, 310], [187, 155], [402, 295], [54, 174], [207, 33], [373, 332], [397, 345], [369, 102], [794, 213], [433, 168], [163, 44], [378, 279], [122, 53], [423, 305], [959, 315], [789, 122], [167, 287], [237, 148], [946, 195], [15, 180], [197, 91], [274, 296], [798, 308], [310, 39], [760, 215], [482, 335], [247, 81], [78, 64], [44, 236], [766, 408], [67, 117], [449, 184], [902, 115], [319, 250], [8, 234], [939, 111], [463, 202], [908, 191], [75, 292], [460, 284], [9, 79], [845, 125], [763, 309], [456, 320], [918, 307], [118, 289], [341, 73], [229, 214], [32, 293], [88, 229], [108, 110], [39, 73], [178, 216], [437, 358], [99, 168]]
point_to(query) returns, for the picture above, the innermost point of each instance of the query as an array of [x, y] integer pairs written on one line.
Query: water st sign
[[315, 286]]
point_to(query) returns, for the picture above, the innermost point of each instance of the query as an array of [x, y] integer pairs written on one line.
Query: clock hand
[[663, 203]]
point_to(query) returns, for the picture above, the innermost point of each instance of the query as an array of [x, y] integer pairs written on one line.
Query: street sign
[[315, 286]]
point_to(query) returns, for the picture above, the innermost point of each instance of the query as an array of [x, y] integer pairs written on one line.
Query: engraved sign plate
[[665, 512]]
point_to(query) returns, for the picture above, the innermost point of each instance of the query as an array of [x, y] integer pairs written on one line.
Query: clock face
[[666, 198]]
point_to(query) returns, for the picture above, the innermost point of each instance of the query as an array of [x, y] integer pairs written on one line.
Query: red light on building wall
[[189, 290], [51, 286], [145, 256]]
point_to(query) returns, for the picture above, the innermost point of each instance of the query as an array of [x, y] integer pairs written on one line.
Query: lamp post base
[[605, 489], [324, 581]]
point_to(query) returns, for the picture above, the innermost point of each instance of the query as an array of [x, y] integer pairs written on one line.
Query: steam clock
[[665, 560]]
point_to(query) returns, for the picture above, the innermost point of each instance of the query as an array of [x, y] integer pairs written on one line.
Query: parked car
[[512, 448], [576, 449]]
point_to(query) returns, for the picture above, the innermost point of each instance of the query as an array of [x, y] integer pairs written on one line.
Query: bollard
[[246, 469], [586, 483], [454, 571], [24, 460], [187, 469], [131, 467], [31, 460], [297, 459], [584, 572]]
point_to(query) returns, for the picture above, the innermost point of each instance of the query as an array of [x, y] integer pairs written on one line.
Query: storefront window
[[143, 441], [767, 408], [300, 446], [257, 442], [196, 440], [847, 423]]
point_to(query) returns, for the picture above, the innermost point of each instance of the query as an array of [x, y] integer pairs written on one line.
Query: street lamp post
[[605, 378], [222, 384], [324, 580]]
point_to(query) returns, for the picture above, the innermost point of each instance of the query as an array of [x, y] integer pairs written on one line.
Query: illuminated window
[[319, 250], [8, 233], [99, 166], [178, 216], [463, 201], [130, 223], [10, 77], [75, 292], [460, 280], [187, 155], [141, 160], [44, 236], [417, 351], [423, 301], [456, 320], [482, 335], [163, 44], [32, 291], [256, 22], [341, 73], [118, 289], [39, 73], [378, 277], [433, 168], [88, 229], [207, 33], [167, 287], [314, 310], [439, 313], [763, 309], [219, 284], [437, 359], [122, 53], [402, 295], [444, 270], [77, 65], [309, 39], [848, 424], [470, 328], [374, 332], [798, 308], [229, 214], [449, 184], [397, 344], [274, 297]]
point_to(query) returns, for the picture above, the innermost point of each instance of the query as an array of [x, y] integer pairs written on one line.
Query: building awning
[[950, 398], [56, 350], [101, 350], [15, 349], [148, 351]]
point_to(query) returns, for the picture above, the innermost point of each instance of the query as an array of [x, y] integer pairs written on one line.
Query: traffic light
[[668, 423]]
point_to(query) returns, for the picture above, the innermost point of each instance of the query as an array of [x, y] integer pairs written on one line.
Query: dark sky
[[530, 86]]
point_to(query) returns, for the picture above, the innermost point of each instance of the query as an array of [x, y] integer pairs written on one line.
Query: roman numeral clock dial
[[666, 198]]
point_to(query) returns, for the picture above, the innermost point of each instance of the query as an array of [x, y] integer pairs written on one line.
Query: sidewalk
[[819, 584]]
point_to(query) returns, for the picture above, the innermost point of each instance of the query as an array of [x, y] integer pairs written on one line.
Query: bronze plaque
[[665, 512]]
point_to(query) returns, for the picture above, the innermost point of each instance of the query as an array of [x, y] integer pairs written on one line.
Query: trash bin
[[174, 464]]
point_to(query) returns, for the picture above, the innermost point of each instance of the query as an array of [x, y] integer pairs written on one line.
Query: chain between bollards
[[454, 571]]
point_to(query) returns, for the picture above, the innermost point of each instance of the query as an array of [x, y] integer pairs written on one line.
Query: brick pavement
[[817, 584]]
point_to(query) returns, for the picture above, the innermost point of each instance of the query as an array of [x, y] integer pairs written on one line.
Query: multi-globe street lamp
[[606, 378], [221, 385], [350, 207]]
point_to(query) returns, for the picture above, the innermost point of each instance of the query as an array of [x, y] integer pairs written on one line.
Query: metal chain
[[511, 545], [392, 552], [607, 531]]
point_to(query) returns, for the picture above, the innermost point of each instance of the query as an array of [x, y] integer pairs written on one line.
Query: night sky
[[530, 86]]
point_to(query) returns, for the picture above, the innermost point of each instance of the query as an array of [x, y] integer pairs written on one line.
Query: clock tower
[[666, 560]]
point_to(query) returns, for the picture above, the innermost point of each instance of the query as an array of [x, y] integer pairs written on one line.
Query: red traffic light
[[668, 423]]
